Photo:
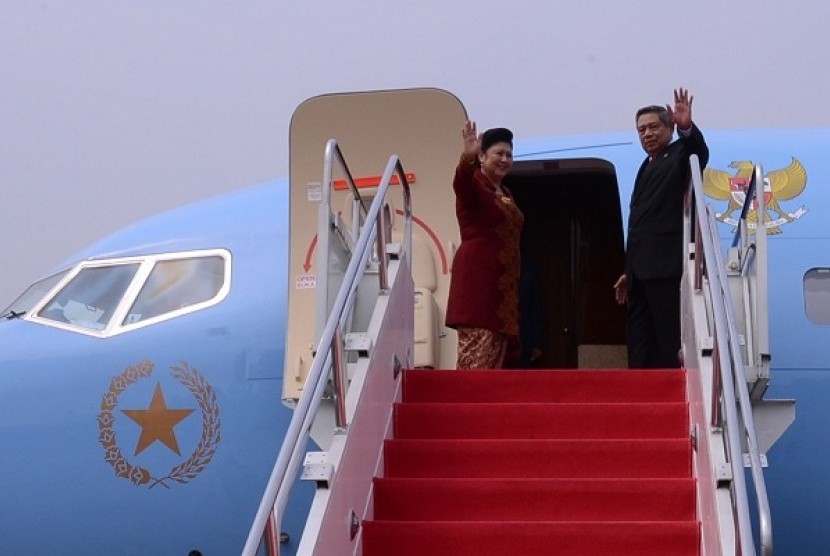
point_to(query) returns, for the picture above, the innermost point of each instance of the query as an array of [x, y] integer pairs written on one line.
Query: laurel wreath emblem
[[205, 396]]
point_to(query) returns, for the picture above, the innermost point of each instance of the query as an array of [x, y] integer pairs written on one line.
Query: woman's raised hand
[[472, 140]]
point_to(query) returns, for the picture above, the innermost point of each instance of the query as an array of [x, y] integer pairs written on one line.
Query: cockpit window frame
[[116, 326], [29, 298]]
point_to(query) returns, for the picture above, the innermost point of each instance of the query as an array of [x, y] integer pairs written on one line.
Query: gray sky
[[112, 110]]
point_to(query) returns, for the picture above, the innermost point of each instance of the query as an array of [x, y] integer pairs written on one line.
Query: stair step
[[505, 458], [534, 538], [534, 500], [586, 386], [586, 463], [541, 420]]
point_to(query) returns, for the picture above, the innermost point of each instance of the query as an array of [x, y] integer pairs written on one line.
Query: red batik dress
[[484, 290]]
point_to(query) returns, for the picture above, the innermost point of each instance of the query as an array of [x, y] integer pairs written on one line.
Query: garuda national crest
[[779, 185]]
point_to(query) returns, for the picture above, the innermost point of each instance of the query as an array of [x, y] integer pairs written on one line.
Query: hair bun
[[496, 135]]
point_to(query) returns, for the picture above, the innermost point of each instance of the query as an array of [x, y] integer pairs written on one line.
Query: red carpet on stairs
[[536, 463]]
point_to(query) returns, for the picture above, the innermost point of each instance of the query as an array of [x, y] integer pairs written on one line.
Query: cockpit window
[[31, 296], [106, 297], [817, 295], [90, 298], [174, 285]]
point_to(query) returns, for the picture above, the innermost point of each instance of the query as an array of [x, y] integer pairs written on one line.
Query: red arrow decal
[[431, 233], [309, 253]]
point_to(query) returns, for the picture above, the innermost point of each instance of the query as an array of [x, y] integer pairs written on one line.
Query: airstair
[[588, 462], [406, 458], [444, 462]]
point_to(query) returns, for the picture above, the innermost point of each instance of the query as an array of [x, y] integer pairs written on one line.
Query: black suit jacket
[[655, 221]]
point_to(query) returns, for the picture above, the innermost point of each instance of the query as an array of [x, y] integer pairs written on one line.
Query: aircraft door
[[572, 253], [420, 126]]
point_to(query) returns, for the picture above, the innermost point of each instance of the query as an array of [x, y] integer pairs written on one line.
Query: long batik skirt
[[479, 348]]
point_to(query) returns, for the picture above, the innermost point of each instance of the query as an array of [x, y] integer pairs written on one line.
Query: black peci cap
[[496, 135]]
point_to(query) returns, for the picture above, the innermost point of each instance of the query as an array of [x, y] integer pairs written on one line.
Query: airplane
[[148, 380]]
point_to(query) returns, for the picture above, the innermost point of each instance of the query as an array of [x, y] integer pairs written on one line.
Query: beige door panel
[[422, 127]]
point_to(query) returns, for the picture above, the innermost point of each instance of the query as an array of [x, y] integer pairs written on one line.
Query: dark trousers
[[653, 323]]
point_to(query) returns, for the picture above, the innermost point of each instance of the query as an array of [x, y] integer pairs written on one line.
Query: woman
[[483, 301]]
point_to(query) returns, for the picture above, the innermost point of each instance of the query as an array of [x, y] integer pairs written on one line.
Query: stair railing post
[[338, 369]]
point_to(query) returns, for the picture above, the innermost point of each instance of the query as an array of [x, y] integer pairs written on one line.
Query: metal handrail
[[325, 217], [761, 313], [332, 154], [732, 375], [275, 498], [747, 418], [748, 195]]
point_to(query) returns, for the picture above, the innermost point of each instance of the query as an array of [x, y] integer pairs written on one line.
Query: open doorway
[[573, 242]]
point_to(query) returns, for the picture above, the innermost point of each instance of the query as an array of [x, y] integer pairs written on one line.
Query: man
[[654, 265]]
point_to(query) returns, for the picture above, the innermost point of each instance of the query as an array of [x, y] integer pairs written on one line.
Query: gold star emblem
[[157, 422]]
